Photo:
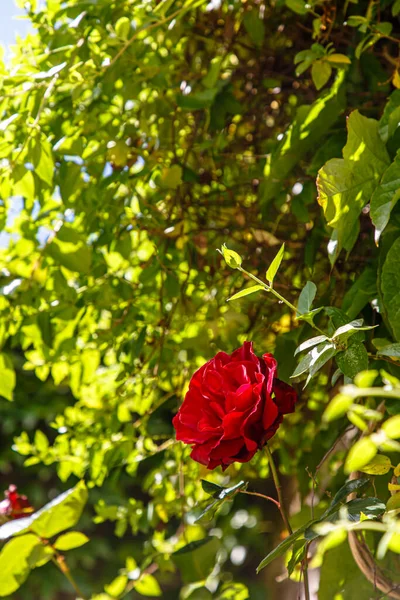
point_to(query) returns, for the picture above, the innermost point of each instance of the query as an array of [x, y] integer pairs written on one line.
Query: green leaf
[[306, 297], [390, 350], [321, 70], [370, 507], [70, 540], [310, 343], [24, 184], [246, 292], [297, 6], [220, 494], [343, 333], [353, 360], [283, 547], [61, 513], [337, 407], [232, 258], [214, 70], [315, 360], [15, 562], [70, 250], [147, 585], [394, 502], [198, 100], [41, 155], [351, 486], [7, 377], [390, 285], [117, 586], [274, 266], [392, 427], [309, 316], [378, 466], [298, 554], [362, 453], [346, 185], [338, 59], [254, 27], [385, 197], [211, 488], [363, 290], [391, 116], [123, 27]]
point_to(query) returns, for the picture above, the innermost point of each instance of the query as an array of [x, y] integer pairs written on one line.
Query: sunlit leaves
[[345, 185], [17, 558], [385, 197], [360, 454], [7, 377], [70, 540], [390, 282], [232, 258], [246, 292], [378, 466], [274, 266], [69, 249]]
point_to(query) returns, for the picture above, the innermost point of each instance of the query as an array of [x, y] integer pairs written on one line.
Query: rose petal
[[269, 367], [232, 424], [270, 413], [202, 452], [285, 396]]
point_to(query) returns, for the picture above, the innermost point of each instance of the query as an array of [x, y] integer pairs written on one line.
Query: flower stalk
[[285, 516]]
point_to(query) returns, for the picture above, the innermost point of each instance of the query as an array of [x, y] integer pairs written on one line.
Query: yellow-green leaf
[[337, 407], [378, 466], [360, 455], [117, 586], [148, 585], [246, 292], [70, 540], [392, 427], [232, 258], [340, 59], [274, 266]]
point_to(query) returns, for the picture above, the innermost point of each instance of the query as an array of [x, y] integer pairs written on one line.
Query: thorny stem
[[270, 289]]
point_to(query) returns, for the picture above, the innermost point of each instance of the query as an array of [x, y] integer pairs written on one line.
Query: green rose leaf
[[274, 266], [306, 297], [61, 513]]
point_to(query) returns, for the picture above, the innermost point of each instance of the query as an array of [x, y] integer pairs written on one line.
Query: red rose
[[15, 506], [233, 406]]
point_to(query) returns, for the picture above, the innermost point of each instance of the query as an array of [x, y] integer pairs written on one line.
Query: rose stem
[[268, 288], [285, 516], [278, 487], [261, 496]]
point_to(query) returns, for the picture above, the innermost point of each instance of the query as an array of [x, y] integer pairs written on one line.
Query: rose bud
[[233, 406]]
